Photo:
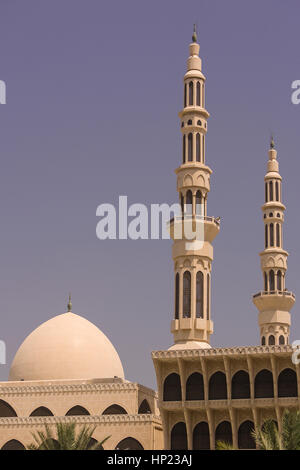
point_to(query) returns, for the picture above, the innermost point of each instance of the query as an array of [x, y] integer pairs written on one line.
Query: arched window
[[185, 94], [201, 437], [199, 294], [198, 147], [189, 202], [287, 383], [271, 234], [179, 437], [190, 122], [266, 192], [271, 340], [279, 281], [271, 280], [240, 385], [203, 148], [183, 148], [199, 123], [182, 203], [191, 93], [198, 203], [144, 408], [190, 147], [266, 281], [6, 411], [195, 387], [271, 190], [281, 339], [278, 235], [13, 444], [115, 410], [224, 432], [129, 443], [217, 386], [186, 295], [266, 236], [277, 190], [198, 93], [92, 443], [41, 411], [263, 384], [172, 388], [263, 341], [77, 411], [208, 296], [177, 296], [245, 437]]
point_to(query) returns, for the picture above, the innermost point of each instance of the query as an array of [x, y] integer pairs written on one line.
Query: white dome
[[66, 347]]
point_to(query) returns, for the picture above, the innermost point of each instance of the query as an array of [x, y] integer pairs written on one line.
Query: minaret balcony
[[274, 300], [211, 226]]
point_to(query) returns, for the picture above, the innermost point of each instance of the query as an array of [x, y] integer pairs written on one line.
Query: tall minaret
[[275, 301], [192, 324]]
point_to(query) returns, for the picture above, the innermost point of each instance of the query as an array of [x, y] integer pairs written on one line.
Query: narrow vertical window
[[266, 236], [182, 203], [177, 296], [208, 296], [189, 202], [191, 94], [190, 147], [277, 235], [203, 148], [186, 294], [266, 281], [277, 190], [183, 148], [185, 94], [266, 192], [271, 234], [198, 203], [271, 190], [198, 147], [198, 93], [279, 279], [203, 96], [199, 294], [272, 280]]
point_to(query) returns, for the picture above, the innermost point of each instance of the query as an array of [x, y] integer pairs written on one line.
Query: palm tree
[[268, 436], [66, 438]]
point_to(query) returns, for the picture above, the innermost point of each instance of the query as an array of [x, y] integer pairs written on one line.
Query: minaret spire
[[274, 302], [69, 304], [192, 324]]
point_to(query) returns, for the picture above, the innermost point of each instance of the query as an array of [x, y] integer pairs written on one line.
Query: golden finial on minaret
[[272, 143], [194, 37], [69, 304]]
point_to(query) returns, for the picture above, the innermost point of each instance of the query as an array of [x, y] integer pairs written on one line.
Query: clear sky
[[93, 92]]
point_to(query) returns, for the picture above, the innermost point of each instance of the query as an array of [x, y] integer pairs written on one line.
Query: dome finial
[[69, 304], [194, 37], [272, 143]]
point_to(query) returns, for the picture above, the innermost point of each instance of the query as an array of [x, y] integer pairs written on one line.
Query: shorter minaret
[[275, 301]]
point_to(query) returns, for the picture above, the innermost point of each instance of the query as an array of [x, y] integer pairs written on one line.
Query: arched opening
[[179, 437], [201, 437], [263, 384], [277, 235], [203, 148], [271, 191], [271, 340], [189, 202], [144, 408], [183, 148], [172, 388], [272, 280], [190, 147], [277, 190], [129, 443], [177, 296], [266, 192], [271, 234], [198, 147], [77, 411], [185, 95], [240, 385], [115, 410], [263, 341], [41, 411], [217, 386], [186, 294], [93, 442], [266, 281], [13, 444], [287, 383], [6, 411], [191, 94], [208, 296], [224, 432], [279, 280], [266, 236], [199, 294], [198, 93], [199, 123], [281, 339], [195, 387], [198, 203], [245, 438]]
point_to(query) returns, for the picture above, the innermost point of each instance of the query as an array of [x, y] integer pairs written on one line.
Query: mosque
[[67, 370]]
